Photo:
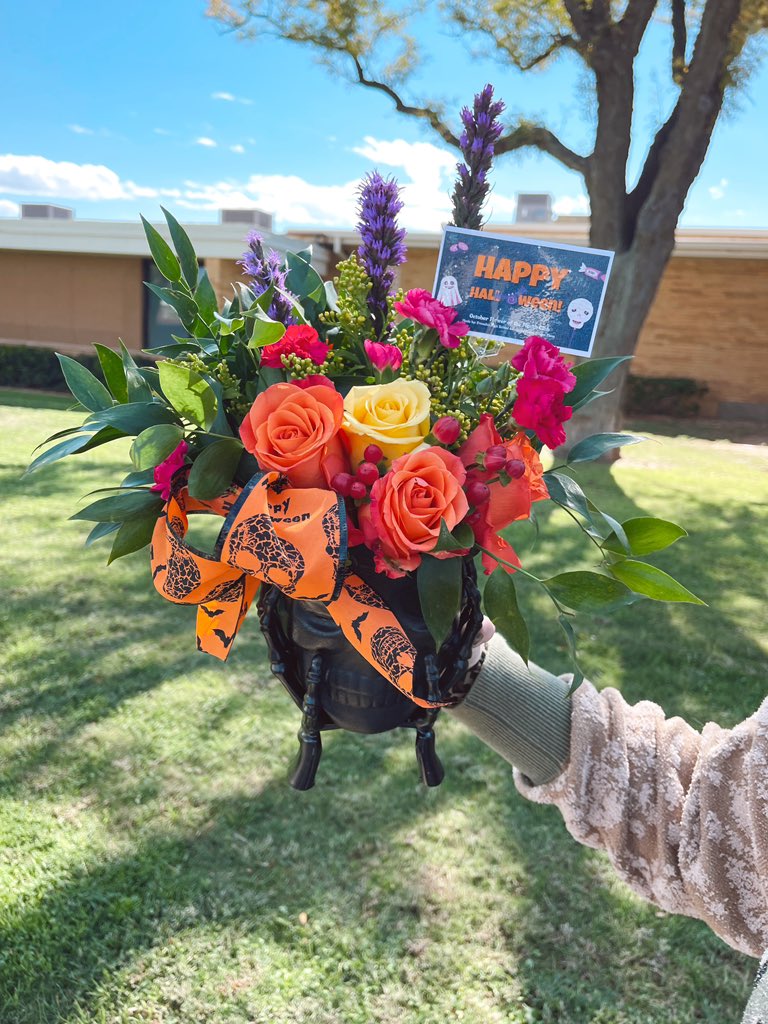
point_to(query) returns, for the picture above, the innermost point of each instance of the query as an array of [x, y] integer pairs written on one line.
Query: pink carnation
[[540, 358], [313, 380], [300, 340], [382, 355], [421, 306], [164, 473], [540, 408]]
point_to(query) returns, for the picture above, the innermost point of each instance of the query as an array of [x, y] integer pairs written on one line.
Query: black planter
[[336, 688]]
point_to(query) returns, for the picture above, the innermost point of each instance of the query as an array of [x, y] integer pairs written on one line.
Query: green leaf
[[652, 582], [185, 306], [133, 535], [155, 444], [266, 331], [588, 591], [121, 507], [114, 372], [570, 639], [303, 280], [593, 396], [439, 586], [87, 389], [213, 469], [59, 451], [564, 490], [134, 417], [500, 602], [205, 297], [139, 479], [590, 374], [162, 253], [220, 424], [189, 394], [184, 249], [228, 325], [646, 534], [137, 388], [100, 530], [615, 528], [593, 447], [462, 538]]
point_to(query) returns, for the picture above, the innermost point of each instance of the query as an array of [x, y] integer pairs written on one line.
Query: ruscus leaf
[[214, 468], [87, 389], [651, 582], [501, 607], [162, 253], [439, 586]]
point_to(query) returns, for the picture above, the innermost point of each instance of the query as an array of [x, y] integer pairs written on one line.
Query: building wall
[[71, 300], [709, 322]]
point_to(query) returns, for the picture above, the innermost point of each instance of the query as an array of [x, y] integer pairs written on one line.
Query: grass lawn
[[155, 867]]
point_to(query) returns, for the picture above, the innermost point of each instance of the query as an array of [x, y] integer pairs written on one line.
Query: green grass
[[155, 867]]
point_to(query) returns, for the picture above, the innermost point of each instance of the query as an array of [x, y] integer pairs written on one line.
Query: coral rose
[[507, 503], [296, 432], [394, 416], [408, 505]]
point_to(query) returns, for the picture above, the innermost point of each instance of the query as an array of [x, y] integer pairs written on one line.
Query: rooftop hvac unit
[[45, 211], [533, 207], [253, 218]]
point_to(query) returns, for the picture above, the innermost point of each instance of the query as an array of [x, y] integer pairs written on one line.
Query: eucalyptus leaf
[[593, 447], [564, 490], [651, 582], [591, 374], [266, 331], [132, 535], [303, 280], [121, 507], [132, 418], [205, 297], [501, 607], [189, 394], [162, 253], [585, 591], [185, 306], [184, 249], [99, 531], [439, 584], [646, 534], [137, 388], [155, 444], [114, 372], [214, 468], [59, 451], [87, 389]]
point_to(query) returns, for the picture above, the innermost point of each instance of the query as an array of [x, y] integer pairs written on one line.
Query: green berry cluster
[[300, 368], [352, 316]]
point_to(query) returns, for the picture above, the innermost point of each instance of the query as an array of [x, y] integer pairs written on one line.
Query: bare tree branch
[[679, 41], [635, 21], [581, 19], [562, 42], [541, 138], [426, 113]]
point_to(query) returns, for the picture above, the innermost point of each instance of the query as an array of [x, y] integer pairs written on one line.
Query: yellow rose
[[394, 416]]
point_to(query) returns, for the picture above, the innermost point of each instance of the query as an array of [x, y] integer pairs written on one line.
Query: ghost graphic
[[449, 291], [579, 311]]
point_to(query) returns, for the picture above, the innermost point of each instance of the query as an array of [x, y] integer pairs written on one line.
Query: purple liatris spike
[[265, 269], [382, 242], [482, 129]]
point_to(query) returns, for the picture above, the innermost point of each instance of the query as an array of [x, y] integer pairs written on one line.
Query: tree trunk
[[631, 290]]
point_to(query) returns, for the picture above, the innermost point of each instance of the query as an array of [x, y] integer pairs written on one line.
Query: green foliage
[[162, 253], [155, 444], [132, 535], [190, 395], [663, 396], [652, 582], [587, 591], [439, 586], [121, 507], [501, 607], [214, 468], [87, 389], [597, 445], [645, 535]]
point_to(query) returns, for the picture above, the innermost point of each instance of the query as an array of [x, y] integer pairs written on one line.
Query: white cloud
[[237, 148], [161, 131], [9, 209], [571, 206], [38, 176], [718, 191], [230, 98], [205, 141], [78, 129]]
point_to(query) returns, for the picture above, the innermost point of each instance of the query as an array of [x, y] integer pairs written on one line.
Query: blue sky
[[117, 113]]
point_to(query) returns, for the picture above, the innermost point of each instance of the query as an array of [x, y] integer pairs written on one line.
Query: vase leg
[[430, 765], [310, 744]]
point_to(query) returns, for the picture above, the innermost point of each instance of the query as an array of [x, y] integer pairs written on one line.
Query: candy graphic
[[592, 272], [579, 312], [449, 291], [460, 247]]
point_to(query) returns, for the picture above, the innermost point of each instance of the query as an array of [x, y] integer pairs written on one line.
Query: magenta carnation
[[421, 306], [539, 407], [382, 355], [165, 472], [540, 358]]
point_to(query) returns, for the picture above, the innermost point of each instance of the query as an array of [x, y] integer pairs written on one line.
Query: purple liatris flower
[[382, 247], [482, 129], [265, 269]]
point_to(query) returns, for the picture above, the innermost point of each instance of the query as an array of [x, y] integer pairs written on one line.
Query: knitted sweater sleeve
[[682, 815]]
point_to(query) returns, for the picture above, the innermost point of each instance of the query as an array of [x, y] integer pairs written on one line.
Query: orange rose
[[409, 503], [507, 503], [296, 432]]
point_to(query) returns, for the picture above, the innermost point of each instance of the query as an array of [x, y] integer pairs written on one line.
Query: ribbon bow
[[293, 538]]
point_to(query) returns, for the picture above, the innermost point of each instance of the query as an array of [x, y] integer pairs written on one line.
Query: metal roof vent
[[253, 218], [533, 207], [45, 211]]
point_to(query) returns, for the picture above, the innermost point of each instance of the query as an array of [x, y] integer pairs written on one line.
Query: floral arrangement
[[375, 397]]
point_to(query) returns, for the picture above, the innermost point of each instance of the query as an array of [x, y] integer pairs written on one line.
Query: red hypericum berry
[[495, 458], [341, 483], [447, 430], [367, 473], [515, 468], [358, 490], [478, 492], [373, 453]]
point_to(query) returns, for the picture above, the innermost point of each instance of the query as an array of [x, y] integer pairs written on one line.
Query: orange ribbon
[[293, 538]]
